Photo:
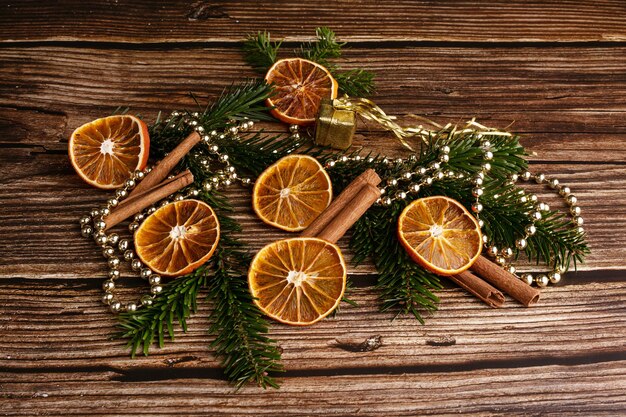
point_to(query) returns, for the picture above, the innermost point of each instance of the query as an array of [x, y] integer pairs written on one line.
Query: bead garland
[[94, 223], [411, 181]]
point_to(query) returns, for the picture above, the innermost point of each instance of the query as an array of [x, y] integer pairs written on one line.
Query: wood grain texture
[[229, 21], [555, 69], [460, 82], [578, 390], [63, 326], [468, 358]]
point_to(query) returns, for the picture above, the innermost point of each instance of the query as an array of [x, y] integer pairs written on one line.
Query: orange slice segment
[[440, 234], [178, 237], [106, 151], [299, 87], [298, 281], [291, 193]]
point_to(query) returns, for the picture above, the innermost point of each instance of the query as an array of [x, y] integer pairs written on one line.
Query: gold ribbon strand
[[370, 111]]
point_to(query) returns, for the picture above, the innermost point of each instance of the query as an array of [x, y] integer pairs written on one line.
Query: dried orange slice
[[178, 237], [106, 151], [298, 281], [299, 87], [440, 234], [291, 193]]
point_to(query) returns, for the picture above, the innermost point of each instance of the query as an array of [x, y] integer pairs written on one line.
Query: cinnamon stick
[[369, 176], [479, 288], [505, 281], [143, 193], [163, 168], [147, 199], [350, 213]]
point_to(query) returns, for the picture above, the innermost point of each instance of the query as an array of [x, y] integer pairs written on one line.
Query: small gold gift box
[[334, 128]]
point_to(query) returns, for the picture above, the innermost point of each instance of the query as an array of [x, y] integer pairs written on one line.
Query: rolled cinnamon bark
[[163, 168], [147, 199], [505, 281], [368, 176], [479, 288], [134, 197], [349, 214]]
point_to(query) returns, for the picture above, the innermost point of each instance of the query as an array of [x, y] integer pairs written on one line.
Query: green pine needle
[[356, 82], [324, 48], [260, 52], [240, 330], [156, 322]]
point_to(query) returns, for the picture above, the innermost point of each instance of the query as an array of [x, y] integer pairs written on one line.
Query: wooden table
[[558, 71]]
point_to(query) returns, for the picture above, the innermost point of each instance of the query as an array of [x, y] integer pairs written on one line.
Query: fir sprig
[[356, 82], [173, 306], [406, 287], [260, 52], [239, 101], [239, 328], [324, 48], [248, 354]]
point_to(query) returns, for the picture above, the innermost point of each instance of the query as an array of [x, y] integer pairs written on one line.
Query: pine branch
[[356, 82], [240, 330], [255, 152], [174, 305], [556, 242], [260, 52], [324, 48], [239, 101], [404, 286]]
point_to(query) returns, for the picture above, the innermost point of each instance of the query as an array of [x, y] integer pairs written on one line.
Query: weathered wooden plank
[[64, 327], [474, 81], [221, 21], [548, 391], [63, 197]]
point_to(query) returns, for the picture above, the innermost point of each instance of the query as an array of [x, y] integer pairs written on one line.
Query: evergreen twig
[[324, 48], [174, 305], [240, 330], [356, 82], [405, 286], [260, 52]]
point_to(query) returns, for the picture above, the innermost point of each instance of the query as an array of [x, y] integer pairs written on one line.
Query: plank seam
[[171, 373], [374, 44]]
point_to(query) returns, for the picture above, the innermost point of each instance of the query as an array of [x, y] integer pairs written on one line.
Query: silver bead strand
[[228, 174], [553, 277], [94, 225]]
